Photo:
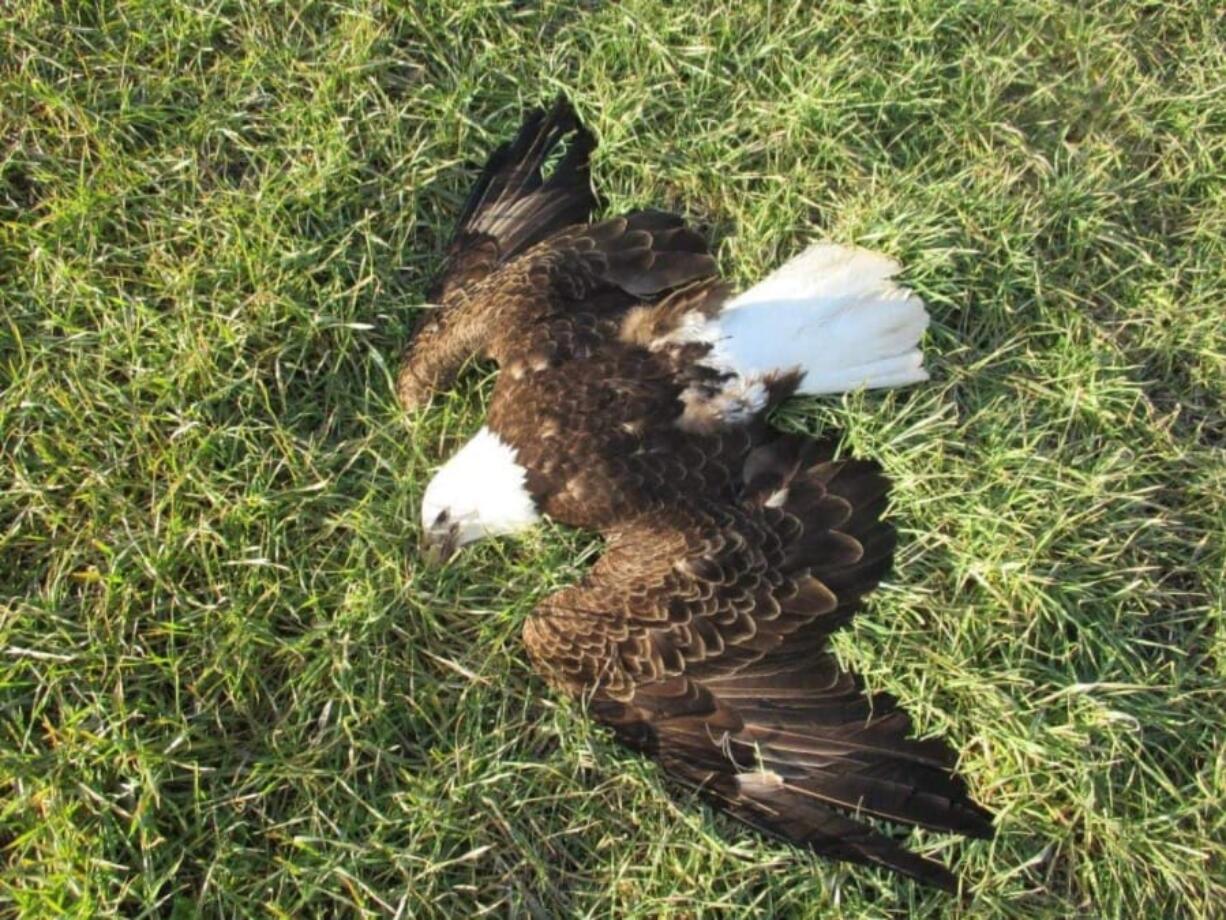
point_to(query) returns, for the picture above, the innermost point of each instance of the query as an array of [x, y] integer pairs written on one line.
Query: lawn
[[229, 688]]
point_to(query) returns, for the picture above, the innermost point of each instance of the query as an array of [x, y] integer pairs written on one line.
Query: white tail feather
[[833, 312]]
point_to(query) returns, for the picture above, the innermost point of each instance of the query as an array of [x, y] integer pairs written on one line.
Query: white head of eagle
[[478, 493]]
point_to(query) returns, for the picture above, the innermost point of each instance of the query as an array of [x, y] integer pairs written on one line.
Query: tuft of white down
[[833, 312]]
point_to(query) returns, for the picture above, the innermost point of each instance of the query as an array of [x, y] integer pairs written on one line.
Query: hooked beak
[[439, 545]]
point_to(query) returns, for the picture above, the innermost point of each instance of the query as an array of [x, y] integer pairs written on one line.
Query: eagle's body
[[632, 400], [596, 425]]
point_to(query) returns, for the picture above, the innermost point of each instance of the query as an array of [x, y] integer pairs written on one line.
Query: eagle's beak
[[439, 545]]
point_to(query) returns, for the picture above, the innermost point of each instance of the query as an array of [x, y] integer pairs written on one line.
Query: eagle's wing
[[701, 637], [512, 206], [516, 314]]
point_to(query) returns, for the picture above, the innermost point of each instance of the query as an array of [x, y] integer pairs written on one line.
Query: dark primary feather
[[512, 206]]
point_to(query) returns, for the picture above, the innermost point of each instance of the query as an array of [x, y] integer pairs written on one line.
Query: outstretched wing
[[701, 638], [512, 313]]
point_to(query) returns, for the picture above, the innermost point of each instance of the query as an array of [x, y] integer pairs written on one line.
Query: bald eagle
[[632, 400]]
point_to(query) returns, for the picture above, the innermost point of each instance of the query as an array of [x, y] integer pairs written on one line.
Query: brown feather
[[720, 693]]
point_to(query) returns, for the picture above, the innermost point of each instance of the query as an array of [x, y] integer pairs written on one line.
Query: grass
[[227, 688]]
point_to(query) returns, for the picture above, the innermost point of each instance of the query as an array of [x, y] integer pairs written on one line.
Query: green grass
[[228, 687]]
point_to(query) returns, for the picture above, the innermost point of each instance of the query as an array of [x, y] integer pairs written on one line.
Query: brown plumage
[[732, 552], [700, 636], [499, 278]]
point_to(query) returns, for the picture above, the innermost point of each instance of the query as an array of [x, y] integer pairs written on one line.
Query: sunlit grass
[[228, 688]]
